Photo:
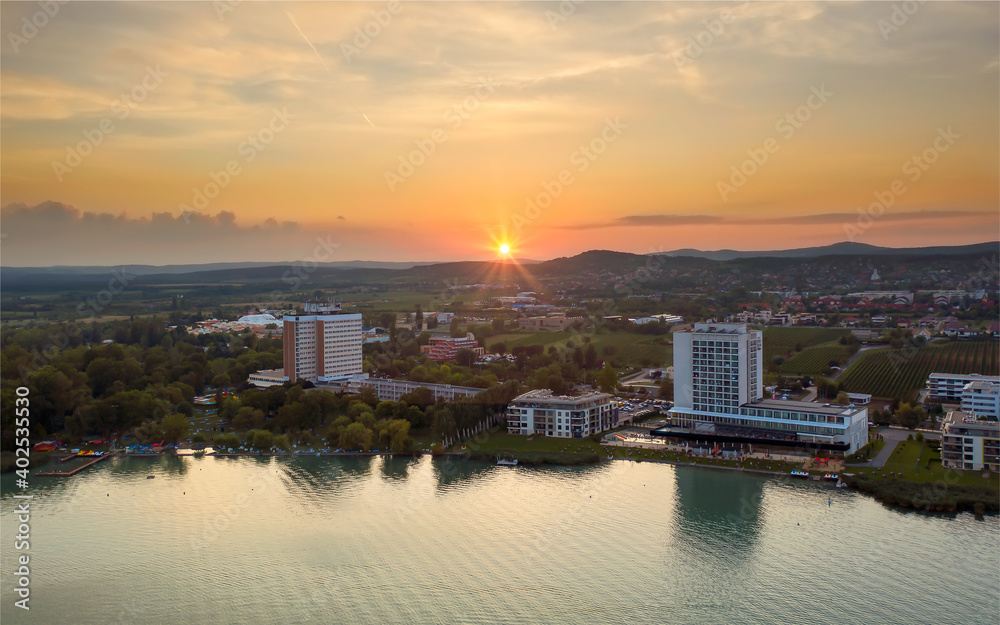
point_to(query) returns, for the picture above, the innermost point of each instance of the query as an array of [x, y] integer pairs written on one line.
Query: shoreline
[[894, 493]]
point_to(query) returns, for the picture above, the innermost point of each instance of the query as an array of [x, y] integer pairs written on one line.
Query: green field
[[917, 462], [782, 341], [629, 349], [816, 359], [903, 372]]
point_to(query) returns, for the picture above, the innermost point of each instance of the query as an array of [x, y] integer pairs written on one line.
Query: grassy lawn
[[499, 443], [626, 348], [872, 449], [502, 441], [917, 462]]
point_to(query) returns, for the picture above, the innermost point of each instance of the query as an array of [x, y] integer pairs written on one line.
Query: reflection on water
[[397, 467], [718, 511], [380, 540], [450, 472]]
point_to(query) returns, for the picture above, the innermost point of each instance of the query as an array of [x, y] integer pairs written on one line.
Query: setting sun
[[504, 249]]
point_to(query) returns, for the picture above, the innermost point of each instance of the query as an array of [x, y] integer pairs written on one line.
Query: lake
[[375, 540]]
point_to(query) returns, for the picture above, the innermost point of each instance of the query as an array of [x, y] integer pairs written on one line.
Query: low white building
[[949, 386], [267, 377], [981, 398], [541, 412], [970, 443]]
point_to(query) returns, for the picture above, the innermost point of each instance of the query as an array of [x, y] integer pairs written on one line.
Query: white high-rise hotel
[[323, 345], [718, 380]]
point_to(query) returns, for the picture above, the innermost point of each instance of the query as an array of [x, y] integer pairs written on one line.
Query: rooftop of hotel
[[721, 328], [804, 406]]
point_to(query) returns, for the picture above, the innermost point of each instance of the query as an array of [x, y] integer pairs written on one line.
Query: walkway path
[[891, 437]]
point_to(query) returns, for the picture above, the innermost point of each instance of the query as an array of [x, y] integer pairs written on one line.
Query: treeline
[[274, 416], [148, 373]]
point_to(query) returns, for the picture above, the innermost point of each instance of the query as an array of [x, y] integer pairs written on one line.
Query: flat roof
[[545, 395], [803, 406], [964, 376], [958, 418]]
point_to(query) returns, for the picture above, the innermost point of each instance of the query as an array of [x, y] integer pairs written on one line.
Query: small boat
[[507, 462]]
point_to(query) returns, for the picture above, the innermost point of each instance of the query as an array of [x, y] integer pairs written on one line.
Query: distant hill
[[90, 273], [145, 270], [590, 265], [845, 248]]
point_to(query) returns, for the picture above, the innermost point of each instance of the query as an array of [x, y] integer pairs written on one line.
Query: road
[[837, 373]]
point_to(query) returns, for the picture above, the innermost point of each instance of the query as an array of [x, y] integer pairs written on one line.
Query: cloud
[[52, 233], [669, 220], [647, 220]]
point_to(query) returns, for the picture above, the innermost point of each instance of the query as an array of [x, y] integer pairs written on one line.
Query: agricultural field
[[626, 349], [782, 341], [816, 359], [903, 372]]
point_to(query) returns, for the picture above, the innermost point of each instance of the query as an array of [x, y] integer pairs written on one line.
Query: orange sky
[[450, 126]]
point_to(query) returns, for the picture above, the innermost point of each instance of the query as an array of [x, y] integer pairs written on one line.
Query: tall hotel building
[[718, 393], [322, 345]]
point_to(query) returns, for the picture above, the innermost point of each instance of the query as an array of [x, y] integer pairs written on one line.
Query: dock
[[76, 470]]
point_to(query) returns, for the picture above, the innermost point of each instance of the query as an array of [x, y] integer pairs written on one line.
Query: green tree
[[842, 398], [465, 357], [336, 429], [666, 388], [385, 409], [356, 436], [262, 440], [221, 381], [910, 416], [590, 356], [248, 418], [443, 423], [175, 428], [608, 379]]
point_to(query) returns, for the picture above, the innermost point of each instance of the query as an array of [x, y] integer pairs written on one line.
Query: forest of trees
[[144, 382]]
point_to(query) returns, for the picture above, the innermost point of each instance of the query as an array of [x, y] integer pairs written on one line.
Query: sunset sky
[[438, 131]]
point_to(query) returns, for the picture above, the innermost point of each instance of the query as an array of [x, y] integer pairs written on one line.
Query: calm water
[[426, 541]]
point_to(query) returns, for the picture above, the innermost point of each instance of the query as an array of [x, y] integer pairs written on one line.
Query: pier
[[72, 472]]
